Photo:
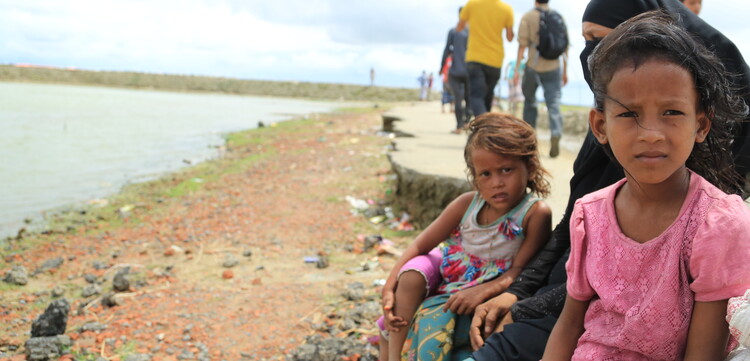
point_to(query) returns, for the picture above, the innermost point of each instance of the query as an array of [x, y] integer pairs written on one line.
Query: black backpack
[[553, 35]]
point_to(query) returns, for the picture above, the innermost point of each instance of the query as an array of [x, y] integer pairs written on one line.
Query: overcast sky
[[305, 40]]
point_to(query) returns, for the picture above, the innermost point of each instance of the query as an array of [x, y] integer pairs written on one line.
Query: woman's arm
[[709, 332], [569, 327]]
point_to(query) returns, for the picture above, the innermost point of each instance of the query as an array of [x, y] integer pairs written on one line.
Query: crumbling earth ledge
[[424, 196]]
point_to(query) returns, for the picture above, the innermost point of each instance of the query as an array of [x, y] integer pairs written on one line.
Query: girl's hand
[[392, 322], [465, 301]]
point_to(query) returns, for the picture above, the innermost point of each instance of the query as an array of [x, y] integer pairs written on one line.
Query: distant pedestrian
[[423, 86], [447, 97], [430, 79], [487, 19], [372, 76], [542, 70], [458, 74], [515, 94]]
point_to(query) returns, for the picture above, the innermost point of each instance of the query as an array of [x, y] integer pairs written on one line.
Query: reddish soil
[[279, 192]]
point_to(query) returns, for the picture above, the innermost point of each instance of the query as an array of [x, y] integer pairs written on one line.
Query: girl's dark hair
[[656, 35], [507, 135]]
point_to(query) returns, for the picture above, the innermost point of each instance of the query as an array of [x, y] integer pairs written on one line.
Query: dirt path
[[277, 197]]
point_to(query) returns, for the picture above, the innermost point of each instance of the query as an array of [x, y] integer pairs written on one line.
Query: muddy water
[[62, 145]]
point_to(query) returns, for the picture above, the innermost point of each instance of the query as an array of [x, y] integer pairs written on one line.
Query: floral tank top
[[477, 253]]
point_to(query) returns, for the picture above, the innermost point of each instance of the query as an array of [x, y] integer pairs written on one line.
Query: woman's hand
[[465, 301], [487, 315]]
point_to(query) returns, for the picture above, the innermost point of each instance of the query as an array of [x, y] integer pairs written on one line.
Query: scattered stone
[[121, 283], [257, 282], [99, 265], [50, 264], [322, 262], [247, 253], [138, 357], [186, 355], [332, 349], [372, 241], [227, 274], [230, 261], [354, 291], [53, 321], [169, 252], [92, 326], [17, 276], [90, 290], [89, 278], [46, 348], [110, 300], [57, 291]]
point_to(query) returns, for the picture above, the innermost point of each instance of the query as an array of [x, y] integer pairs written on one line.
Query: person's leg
[[528, 88], [410, 293], [457, 85], [552, 84], [477, 88], [520, 341], [492, 76]]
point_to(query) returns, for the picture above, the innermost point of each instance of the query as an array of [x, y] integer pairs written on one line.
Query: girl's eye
[[628, 114], [506, 170], [673, 112], [484, 174]]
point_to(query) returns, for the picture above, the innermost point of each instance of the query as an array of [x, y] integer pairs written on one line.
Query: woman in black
[[540, 289]]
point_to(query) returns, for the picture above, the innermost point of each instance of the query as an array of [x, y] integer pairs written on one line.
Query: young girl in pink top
[[655, 257]]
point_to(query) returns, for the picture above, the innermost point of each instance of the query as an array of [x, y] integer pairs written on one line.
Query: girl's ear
[[596, 122], [704, 126]]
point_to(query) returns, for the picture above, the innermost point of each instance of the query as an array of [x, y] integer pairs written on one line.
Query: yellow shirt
[[487, 20]]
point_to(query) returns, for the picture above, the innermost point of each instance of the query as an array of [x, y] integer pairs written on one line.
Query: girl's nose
[[651, 129]]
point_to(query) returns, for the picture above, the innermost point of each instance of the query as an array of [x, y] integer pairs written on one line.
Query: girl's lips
[[651, 156]]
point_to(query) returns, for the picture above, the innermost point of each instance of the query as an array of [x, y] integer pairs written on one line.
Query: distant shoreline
[[195, 83]]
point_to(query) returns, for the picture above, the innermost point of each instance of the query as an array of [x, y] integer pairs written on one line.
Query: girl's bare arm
[[569, 327], [709, 332]]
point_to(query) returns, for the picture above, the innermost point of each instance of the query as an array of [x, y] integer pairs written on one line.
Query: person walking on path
[[540, 70], [458, 74], [515, 95], [423, 86], [484, 57]]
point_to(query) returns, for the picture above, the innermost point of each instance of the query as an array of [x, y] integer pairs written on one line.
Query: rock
[[110, 300], [57, 291], [230, 261], [354, 291], [46, 348], [331, 349], [227, 274], [53, 321], [93, 327], [322, 262], [121, 283], [49, 264], [90, 290], [138, 357], [372, 241], [247, 253], [17, 276], [89, 278], [99, 265]]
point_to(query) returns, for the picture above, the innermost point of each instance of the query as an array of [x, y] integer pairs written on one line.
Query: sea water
[[63, 145]]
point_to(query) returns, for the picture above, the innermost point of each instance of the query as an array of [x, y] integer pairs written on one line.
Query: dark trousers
[[460, 87], [482, 81], [520, 341]]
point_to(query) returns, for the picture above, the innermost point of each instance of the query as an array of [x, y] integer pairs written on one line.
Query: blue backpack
[[553, 34]]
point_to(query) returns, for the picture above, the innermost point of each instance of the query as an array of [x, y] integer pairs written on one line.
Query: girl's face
[[650, 120], [501, 180]]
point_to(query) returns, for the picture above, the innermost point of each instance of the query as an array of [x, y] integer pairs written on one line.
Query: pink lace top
[[642, 294]]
